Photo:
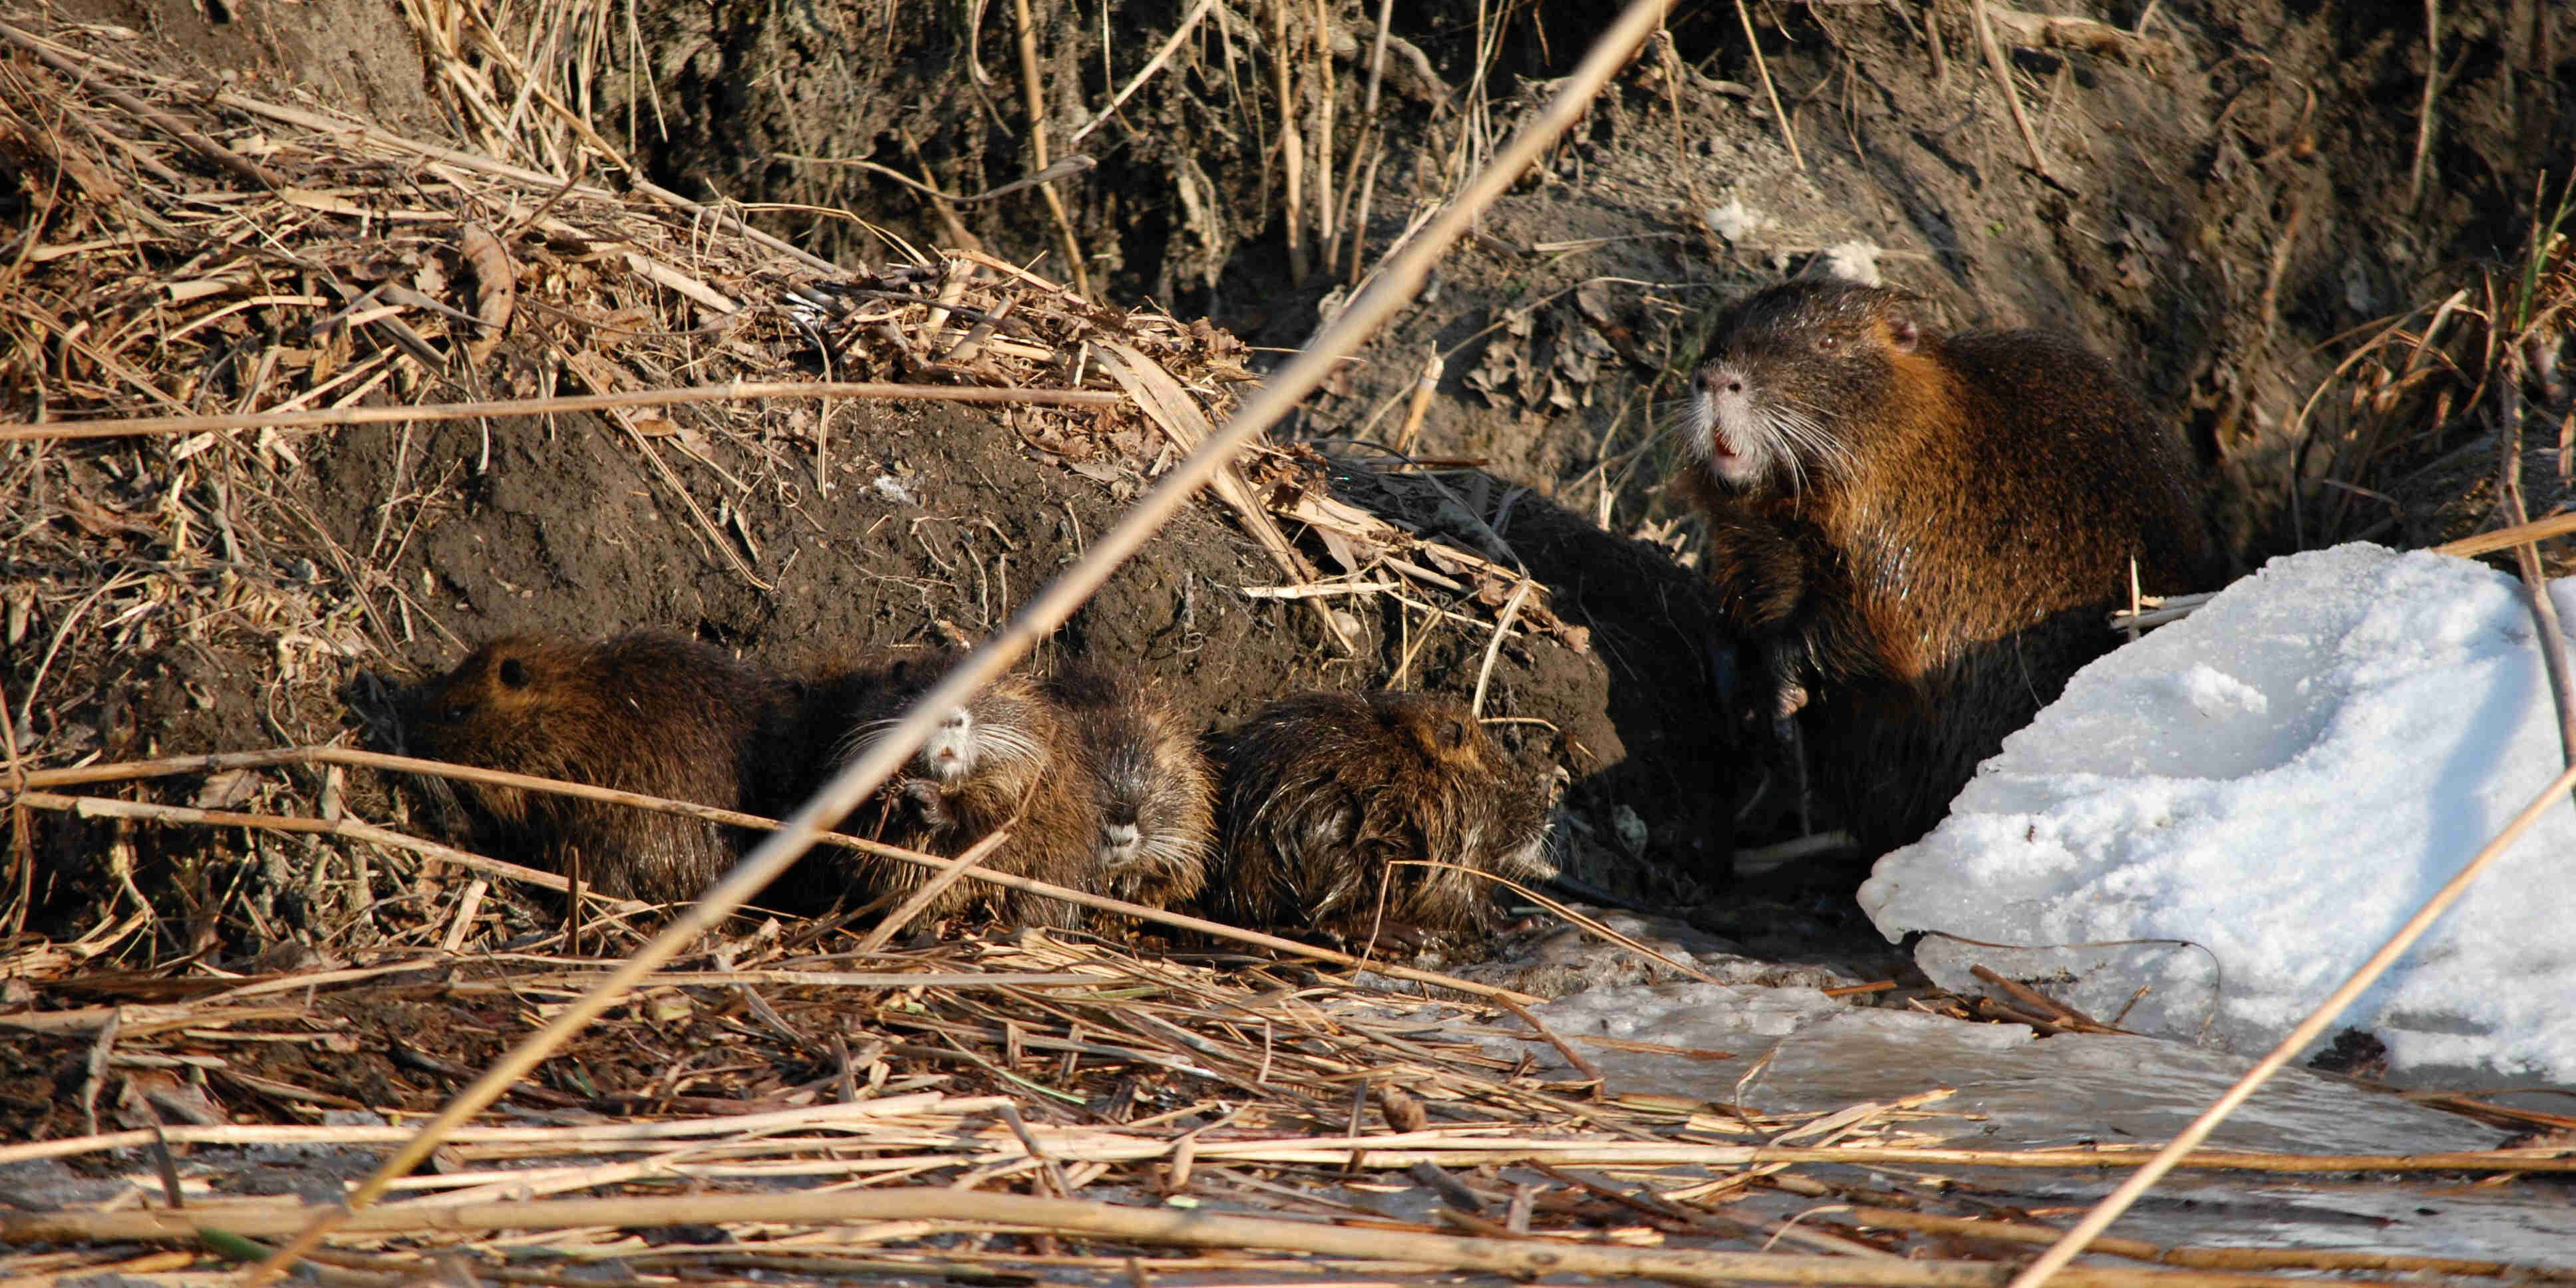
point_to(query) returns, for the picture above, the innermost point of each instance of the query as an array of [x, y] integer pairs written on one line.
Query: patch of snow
[[1853, 261], [1735, 221], [2269, 788]]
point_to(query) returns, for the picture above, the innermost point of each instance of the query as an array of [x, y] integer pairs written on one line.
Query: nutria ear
[[1453, 733], [1902, 335], [514, 673]]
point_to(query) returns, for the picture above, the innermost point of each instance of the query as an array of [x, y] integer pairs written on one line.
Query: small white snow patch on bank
[[2274, 784], [2214, 693]]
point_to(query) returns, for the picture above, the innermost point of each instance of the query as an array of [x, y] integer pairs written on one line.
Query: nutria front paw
[[1760, 573], [928, 803]]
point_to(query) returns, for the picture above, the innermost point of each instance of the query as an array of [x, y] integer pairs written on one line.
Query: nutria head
[[500, 698], [999, 730], [1791, 369], [1443, 732]]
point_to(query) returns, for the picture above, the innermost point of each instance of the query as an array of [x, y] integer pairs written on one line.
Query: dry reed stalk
[[1033, 99], [734, 391], [2208, 1258], [2308, 1030], [2002, 69], [1494, 646], [1292, 146], [1396, 285], [204, 147], [1162, 55], [2432, 93], [1762, 68], [1327, 230], [344, 828], [1365, 145], [574, 1138], [1172, 1226], [2552, 639]]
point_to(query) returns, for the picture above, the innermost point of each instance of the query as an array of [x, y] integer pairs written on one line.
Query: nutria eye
[[455, 713], [514, 673], [1827, 343]]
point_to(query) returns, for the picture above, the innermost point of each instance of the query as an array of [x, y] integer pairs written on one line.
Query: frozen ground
[[1795, 1049], [2264, 791]]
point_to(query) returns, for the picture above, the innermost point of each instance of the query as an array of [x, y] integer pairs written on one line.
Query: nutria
[[1004, 755], [1924, 531], [643, 712], [1149, 782], [1325, 792]]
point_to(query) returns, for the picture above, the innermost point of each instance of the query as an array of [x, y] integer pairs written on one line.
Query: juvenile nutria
[[642, 712], [1924, 532], [1149, 782], [1324, 792], [1005, 757]]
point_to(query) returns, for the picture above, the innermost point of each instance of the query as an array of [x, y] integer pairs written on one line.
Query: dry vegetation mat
[[198, 283]]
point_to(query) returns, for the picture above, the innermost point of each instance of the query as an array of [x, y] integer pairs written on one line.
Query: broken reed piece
[[730, 391], [2155, 610]]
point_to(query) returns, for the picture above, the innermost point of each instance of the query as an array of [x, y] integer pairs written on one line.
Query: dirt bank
[[2215, 198]]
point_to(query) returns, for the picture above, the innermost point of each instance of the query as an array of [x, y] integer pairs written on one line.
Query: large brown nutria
[[1005, 757], [1325, 792], [1149, 782], [1923, 532], [642, 712]]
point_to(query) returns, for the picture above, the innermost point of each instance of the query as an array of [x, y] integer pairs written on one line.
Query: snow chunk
[[1735, 221], [2269, 788], [2214, 693]]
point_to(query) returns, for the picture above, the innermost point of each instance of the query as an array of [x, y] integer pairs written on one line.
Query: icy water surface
[[2014, 1090]]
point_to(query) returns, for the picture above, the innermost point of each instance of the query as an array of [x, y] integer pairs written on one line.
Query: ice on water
[[2261, 793]]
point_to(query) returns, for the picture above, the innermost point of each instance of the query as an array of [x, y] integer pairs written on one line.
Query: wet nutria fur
[[1924, 532], [1006, 753], [1323, 792], [643, 712], [1149, 782]]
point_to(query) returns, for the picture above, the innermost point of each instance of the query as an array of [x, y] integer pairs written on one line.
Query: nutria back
[[1924, 532], [642, 712], [1323, 793]]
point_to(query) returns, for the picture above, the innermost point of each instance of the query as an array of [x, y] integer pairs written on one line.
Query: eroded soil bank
[[2218, 195]]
